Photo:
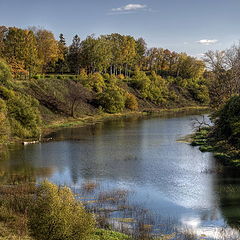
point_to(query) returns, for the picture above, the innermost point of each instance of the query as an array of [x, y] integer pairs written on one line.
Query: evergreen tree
[[141, 48], [61, 65], [74, 55], [3, 31]]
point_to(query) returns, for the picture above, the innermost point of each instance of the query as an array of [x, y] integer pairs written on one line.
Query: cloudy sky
[[192, 26]]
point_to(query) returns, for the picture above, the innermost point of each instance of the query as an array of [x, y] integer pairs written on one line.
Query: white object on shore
[[32, 142]]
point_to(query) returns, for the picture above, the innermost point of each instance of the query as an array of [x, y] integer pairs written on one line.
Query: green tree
[[23, 113], [5, 73], [140, 80], [74, 55], [31, 60], [61, 65], [123, 50], [112, 99], [4, 123], [227, 122], [89, 52], [3, 31], [141, 49], [189, 67], [102, 54], [129, 53]]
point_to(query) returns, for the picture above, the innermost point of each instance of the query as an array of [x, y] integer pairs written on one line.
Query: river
[[143, 155]]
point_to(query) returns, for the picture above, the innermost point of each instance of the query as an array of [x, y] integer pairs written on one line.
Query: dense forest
[[42, 79], [33, 51]]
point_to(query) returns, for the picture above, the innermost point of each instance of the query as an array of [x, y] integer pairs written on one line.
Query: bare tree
[[76, 94], [225, 66], [198, 124]]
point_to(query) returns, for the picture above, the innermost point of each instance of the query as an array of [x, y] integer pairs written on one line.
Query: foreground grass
[[17, 216], [52, 213], [49, 212]]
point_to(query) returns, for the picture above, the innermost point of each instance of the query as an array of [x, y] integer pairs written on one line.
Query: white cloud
[[129, 7], [207, 41], [200, 55]]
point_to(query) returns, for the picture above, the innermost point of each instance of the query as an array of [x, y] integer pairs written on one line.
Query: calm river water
[[168, 177]]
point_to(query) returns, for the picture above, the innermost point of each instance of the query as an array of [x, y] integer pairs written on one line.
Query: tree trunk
[[72, 109]]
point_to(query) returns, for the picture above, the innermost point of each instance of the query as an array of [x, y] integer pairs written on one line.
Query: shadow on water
[[229, 195]]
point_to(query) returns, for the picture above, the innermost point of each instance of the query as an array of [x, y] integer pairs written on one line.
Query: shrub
[[5, 73], [4, 124], [83, 75], [198, 90], [22, 112], [121, 77], [60, 77], [24, 116], [202, 94], [140, 80], [153, 88], [96, 82], [112, 80], [106, 76], [56, 215], [6, 94], [112, 100], [227, 121], [131, 102], [36, 77], [6, 214]]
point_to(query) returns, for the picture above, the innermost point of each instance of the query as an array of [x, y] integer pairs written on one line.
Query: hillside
[[28, 105]]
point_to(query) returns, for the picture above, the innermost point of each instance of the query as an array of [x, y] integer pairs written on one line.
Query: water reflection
[[229, 194], [141, 155]]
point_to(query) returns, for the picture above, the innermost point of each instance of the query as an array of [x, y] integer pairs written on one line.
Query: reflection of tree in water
[[105, 147], [4, 154], [22, 172], [210, 215], [229, 196]]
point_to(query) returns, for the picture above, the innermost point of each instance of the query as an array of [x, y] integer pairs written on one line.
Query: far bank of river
[[88, 120]]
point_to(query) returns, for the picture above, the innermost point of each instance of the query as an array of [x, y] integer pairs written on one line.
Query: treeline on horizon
[[32, 51]]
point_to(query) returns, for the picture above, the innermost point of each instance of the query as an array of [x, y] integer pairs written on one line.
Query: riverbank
[[225, 153], [223, 138], [89, 120], [61, 122], [68, 122]]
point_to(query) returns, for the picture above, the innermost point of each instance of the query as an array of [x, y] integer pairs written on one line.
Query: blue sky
[[192, 26]]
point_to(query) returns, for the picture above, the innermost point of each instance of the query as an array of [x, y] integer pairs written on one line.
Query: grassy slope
[[55, 104]]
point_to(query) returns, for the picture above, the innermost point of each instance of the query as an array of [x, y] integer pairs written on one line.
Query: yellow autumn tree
[[48, 48], [56, 215]]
